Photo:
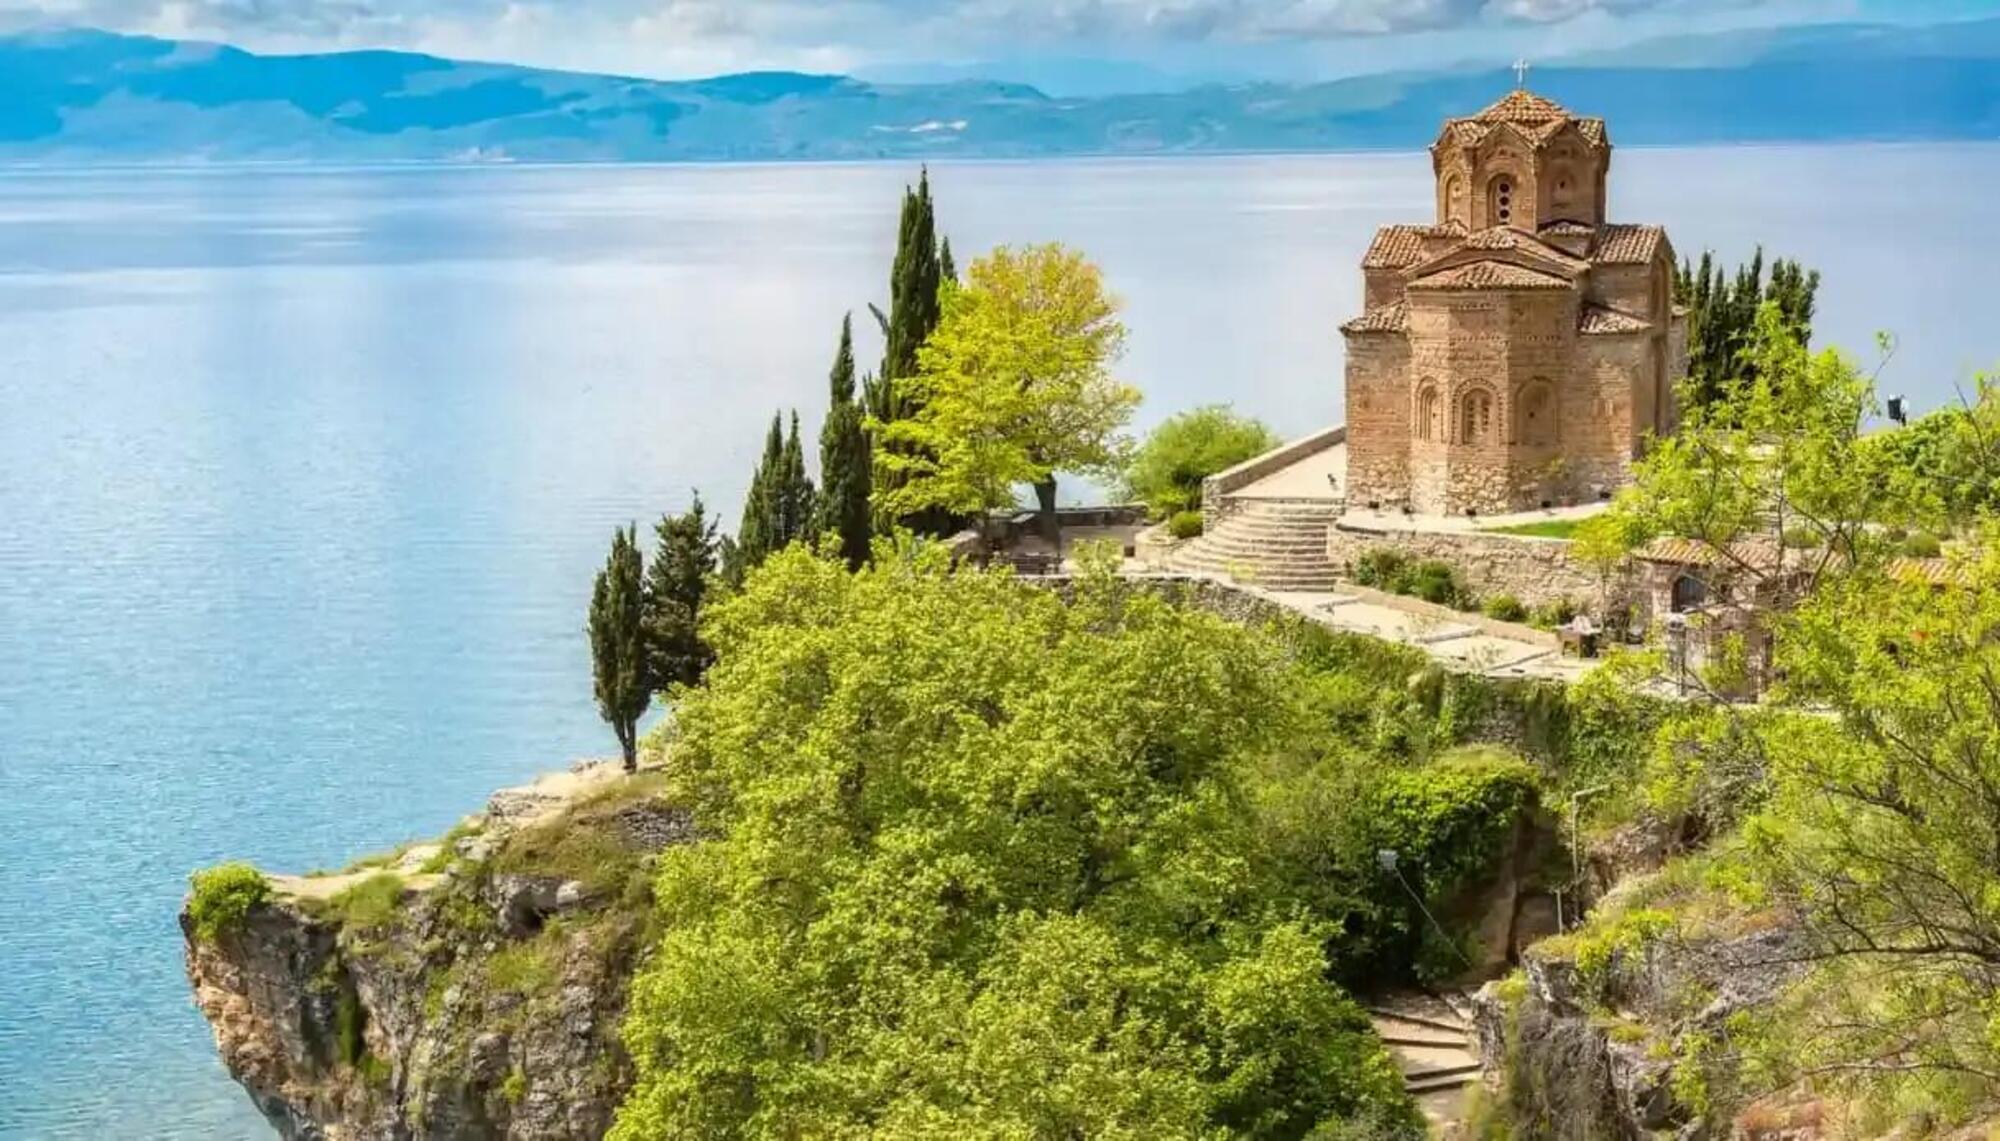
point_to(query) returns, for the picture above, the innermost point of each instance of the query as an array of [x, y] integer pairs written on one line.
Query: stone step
[[1451, 1026], [1441, 1085]]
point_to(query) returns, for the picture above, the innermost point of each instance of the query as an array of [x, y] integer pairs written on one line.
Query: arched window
[[1430, 419], [1535, 414], [1500, 200], [1454, 197], [1475, 417]]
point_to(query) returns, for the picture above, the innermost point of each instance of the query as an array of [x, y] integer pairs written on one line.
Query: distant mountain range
[[95, 96]]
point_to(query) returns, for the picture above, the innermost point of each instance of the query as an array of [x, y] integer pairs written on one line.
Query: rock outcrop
[[466, 990]]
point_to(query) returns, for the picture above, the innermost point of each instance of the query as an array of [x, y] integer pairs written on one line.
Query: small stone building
[[1521, 349]]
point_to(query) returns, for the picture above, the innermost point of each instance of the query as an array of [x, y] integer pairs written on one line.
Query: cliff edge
[[469, 988]]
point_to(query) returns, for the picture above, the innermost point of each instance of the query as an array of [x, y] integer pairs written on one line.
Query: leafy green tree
[[798, 500], [1167, 470], [982, 863], [845, 460], [1722, 317], [677, 585], [780, 508], [1015, 386], [618, 654]]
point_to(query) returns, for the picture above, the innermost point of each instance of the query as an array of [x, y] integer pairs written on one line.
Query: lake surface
[[303, 475]]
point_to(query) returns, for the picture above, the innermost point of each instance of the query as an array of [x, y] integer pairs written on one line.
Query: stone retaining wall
[[1216, 489], [1535, 570]]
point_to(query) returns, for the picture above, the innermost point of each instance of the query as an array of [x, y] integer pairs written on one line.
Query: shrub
[[1550, 615], [1432, 581], [1185, 525], [223, 897], [1379, 568], [1167, 470], [1923, 545], [1803, 539], [1505, 608]]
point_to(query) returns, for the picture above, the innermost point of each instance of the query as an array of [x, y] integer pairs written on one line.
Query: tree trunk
[[1051, 524], [628, 744]]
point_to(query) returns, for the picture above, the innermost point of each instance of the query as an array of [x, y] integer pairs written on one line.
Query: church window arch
[[1454, 196], [1475, 417], [1535, 413], [1430, 412]]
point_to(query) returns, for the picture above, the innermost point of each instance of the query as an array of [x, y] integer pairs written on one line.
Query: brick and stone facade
[[1520, 349]]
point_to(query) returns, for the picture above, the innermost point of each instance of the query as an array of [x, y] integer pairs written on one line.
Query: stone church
[[1519, 350]]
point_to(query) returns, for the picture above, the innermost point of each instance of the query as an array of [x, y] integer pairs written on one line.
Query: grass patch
[[528, 968], [447, 853], [1541, 529], [223, 898], [371, 904]]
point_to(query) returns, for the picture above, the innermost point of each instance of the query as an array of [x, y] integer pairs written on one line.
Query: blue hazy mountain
[[85, 95]]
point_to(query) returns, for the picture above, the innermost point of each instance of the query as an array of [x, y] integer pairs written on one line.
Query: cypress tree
[[795, 501], [759, 533], [947, 267], [618, 657], [1722, 316], [676, 587], [914, 281], [845, 459]]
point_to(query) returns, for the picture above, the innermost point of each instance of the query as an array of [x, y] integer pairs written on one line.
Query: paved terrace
[[1465, 643]]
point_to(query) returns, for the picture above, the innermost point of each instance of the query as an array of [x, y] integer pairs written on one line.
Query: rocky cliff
[[470, 988]]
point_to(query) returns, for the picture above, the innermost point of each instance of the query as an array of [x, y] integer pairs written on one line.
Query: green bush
[[373, 903], [1432, 581], [1553, 614], [1803, 539], [1923, 545], [1379, 568], [223, 897], [1504, 608], [1185, 525], [1167, 470]]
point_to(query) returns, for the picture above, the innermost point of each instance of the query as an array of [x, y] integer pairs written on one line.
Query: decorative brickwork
[[1520, 349]]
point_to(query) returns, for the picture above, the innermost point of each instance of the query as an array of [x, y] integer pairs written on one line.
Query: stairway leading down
[[1274, 544], [1434, 1048]]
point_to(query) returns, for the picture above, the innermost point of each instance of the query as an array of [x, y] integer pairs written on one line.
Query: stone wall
[[1216, 489], [1536, 571]]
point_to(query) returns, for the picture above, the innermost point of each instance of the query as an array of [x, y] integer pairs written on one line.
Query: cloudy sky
[[1119, 44]]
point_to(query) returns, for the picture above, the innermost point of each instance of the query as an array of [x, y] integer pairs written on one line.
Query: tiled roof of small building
[[1391, 318], [1622, 243], [1566, 229], [1936, 572], [1760, 554], [1596, 320], [1398, 246], [1489, 275]]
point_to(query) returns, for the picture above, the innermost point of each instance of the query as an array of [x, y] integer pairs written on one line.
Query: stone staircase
[[1434, 1047], [1274, 544]]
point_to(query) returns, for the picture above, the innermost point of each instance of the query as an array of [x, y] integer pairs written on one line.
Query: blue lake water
[[303, 473]]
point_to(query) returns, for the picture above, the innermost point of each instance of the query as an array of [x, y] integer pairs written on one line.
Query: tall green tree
[[762, 527], [1722, 315], [1015, 387], [1167, 471], [915, 280], [845, 459], [618, 650], [677, 586], [797, 498]]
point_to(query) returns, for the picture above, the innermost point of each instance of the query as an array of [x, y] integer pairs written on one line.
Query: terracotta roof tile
[[1536, 116], [1489, 275], [1761, 554], [1937, 572], [1620, 243], [1521, 105], [1391, 318], [1396, 247], [1596, 320], [1569, 230]]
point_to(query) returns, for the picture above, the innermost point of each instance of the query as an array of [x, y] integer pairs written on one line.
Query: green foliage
[[618, 651], [1433, 581], [1185, 525], [779, 509], [1014, 386], [1949, 455], [1550, 615], [677, 583], [1922, 545], [916, 284], [371, 904], [1379, 568], [1722, 318], [1505, 608], [348, 1022], [985, 863], [515, 1087], [845, 459], [223, 897], [1167, 470]]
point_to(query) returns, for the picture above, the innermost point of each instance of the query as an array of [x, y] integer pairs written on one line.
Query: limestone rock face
[[484, 1004]]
